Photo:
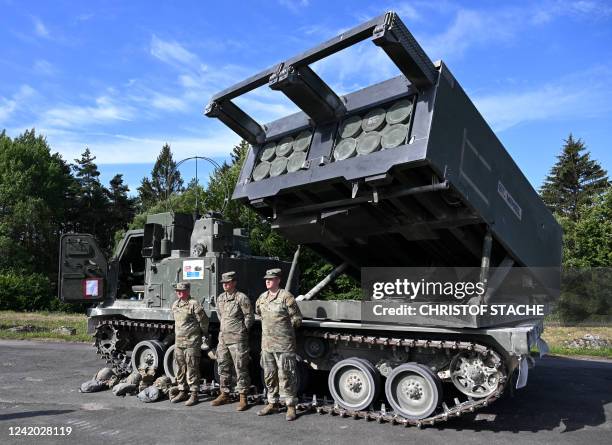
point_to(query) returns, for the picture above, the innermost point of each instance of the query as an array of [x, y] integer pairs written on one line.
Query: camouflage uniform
[[236, 315], [280, 316], [190, 325], [147, 374]]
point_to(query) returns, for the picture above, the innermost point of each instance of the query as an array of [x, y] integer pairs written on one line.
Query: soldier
[[190, 328], [236, 316], [280, 316]]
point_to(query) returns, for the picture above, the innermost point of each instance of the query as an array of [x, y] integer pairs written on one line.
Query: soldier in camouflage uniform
[[280, 316], [236, 316], [190, 326]]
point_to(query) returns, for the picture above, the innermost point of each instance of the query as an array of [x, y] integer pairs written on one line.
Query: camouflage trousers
[[188, 368], [230, 358], [280, 376]]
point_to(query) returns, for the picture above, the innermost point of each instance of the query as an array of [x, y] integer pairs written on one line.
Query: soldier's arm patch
[[247, 311], [202, 318], [294, 311], [257, 303]]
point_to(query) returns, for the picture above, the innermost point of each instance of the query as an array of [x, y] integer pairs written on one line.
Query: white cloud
[[168, 103], [563, 99], [593, 10], [365, 64], [9, 105], [294, 5], [501, 24], [197, 83], [45, 67], [124, 149], [39, 28], [407, 12], [171, 52], [356, 67], [84, 17], [189, 81], [471, 28], [268, 107], [105, 110]]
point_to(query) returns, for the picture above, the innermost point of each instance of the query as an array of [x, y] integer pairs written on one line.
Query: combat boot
[[270, 408], [221, 400], [180, 397], [243, 404], [290, 413], [193, 400]]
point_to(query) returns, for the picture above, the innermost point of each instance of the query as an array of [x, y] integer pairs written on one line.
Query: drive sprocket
[[108, 340]]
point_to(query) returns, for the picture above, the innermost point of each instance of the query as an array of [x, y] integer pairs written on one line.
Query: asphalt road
[[566, 401]]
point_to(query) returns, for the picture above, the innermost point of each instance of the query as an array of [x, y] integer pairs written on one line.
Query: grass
[[44, 322], [555, 336]]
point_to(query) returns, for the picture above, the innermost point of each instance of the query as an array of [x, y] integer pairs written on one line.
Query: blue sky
[[124, 77]]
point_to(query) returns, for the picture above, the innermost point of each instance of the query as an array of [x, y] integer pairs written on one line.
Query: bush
[[25, 291]]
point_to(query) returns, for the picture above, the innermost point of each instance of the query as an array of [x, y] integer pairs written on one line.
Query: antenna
[[217, 166]]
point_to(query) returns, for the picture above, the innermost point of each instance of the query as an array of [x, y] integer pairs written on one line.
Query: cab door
[[83, 269]]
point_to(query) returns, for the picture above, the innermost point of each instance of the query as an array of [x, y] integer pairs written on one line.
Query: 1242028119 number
[[40, 430]]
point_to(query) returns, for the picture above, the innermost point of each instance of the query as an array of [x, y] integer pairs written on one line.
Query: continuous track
[[321, 405]]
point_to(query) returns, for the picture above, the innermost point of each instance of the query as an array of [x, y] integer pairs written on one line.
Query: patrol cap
[[273, 273], [182, 285], [228, 276]]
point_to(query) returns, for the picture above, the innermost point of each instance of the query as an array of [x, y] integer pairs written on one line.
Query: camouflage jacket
[[236, 315], [280, 316], [190, 323]]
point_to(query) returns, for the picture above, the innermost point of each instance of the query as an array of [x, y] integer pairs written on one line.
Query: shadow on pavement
[[25, 414], [562, 393]]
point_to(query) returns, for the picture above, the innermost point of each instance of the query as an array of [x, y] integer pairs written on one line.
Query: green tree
[[36, 187], [122, 207], [574, 181], [587, 255], [92, 200], [179, 202], [165, 180], [587, 242]]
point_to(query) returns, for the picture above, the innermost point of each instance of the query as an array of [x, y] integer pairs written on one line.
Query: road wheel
[[148, 353], [170, 364], [354, 383], [413, 391]]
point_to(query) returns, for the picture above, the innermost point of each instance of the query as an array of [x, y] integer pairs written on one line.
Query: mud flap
[[542, 347], [523, 372]]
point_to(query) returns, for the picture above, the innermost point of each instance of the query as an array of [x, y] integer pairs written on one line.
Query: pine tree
[[91, 199], [165, 180], [121, 205], [574, 181], [239, 152], [146, 196]]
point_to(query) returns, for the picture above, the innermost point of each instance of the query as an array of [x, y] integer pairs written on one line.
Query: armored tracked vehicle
[[134, 289], [403, 173]]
